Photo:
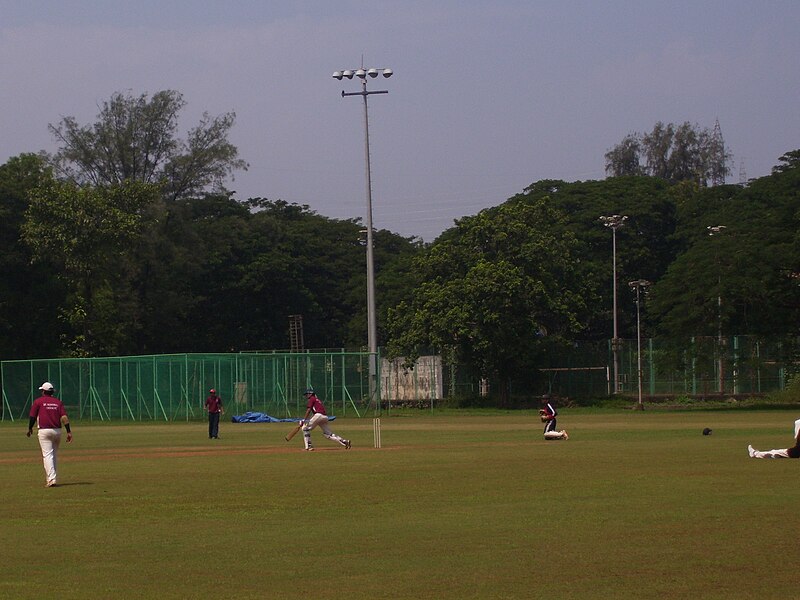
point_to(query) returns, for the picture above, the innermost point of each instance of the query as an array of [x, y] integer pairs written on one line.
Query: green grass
[[634, 505]]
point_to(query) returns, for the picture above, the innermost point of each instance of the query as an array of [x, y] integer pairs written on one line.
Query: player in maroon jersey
[[214, 407], [548, 414], [48, 412], [319, 417]]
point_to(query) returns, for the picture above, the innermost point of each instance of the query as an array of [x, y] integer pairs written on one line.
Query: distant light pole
[[372, 325], [712, 231], [615, 222], [640, 285]]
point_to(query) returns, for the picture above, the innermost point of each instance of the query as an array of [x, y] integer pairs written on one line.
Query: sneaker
[[566, 435], [310, 449], [347, 444], [751, 451]]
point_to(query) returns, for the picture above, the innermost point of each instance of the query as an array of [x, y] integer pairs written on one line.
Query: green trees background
[[137, 247]]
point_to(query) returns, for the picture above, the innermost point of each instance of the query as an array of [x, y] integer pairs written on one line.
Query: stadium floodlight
[[614, 222], [372, 326], [640, 285], [338, 75]]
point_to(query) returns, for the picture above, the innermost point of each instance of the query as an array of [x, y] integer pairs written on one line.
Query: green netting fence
[[174, 387], [697, 367]]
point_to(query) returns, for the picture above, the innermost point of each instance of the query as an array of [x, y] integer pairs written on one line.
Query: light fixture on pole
[[372, 326], [640, 285], [712, 231], [615, 222]]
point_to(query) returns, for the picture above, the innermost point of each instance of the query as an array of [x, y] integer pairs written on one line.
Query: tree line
[[126, 241], [503, 288]]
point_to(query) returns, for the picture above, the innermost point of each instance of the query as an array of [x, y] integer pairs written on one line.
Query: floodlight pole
[[615, 222], [712, 231], [372, 326], [639, 285]]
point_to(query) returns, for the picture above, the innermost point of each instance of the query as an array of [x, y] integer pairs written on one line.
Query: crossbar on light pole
[[372, 322]]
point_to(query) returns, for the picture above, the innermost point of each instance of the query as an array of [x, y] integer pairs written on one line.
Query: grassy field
[[634, 505]]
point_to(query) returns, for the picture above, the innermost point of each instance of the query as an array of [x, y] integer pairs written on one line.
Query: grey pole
[[372, 327], [615, 222], [639, 285], [712, 231]]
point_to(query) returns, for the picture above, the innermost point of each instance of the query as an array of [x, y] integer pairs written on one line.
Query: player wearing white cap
[[48, 413]]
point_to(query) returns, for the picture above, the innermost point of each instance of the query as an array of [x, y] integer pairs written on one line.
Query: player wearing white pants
[[48, 412], [793, 452], [548, 414], [319, 419], [49, 441]]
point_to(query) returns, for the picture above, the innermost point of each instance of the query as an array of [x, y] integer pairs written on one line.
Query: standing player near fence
[[48, 412], [319, 417], [214, 407], [548, 414]]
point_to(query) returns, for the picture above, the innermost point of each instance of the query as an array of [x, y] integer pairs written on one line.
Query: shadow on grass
[[74, 483]]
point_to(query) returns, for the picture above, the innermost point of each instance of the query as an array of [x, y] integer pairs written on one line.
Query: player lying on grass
[[793, 452]]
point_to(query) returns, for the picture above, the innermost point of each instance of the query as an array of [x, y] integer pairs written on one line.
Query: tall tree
[[135, 138], [645, 245], [624, 158], [29, 294], [498, 290], [84, 234], [743, 279], [683, 152]]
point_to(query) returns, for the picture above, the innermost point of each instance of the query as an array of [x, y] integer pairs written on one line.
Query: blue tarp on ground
[[259, 417]]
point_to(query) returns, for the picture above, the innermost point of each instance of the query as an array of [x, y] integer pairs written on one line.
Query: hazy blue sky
[[487, 96]]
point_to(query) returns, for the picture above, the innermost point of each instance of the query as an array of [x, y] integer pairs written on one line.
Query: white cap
[[46, 387]]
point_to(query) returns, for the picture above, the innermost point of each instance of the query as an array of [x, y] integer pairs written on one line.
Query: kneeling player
[[548, 414]]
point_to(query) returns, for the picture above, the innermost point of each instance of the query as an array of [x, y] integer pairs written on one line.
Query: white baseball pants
[[49, 440], [777, 453]]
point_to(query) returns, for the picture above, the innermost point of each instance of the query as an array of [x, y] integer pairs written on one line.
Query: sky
[[487, 97]]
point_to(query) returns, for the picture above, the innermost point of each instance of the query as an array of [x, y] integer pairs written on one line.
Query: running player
[[319, 418]]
